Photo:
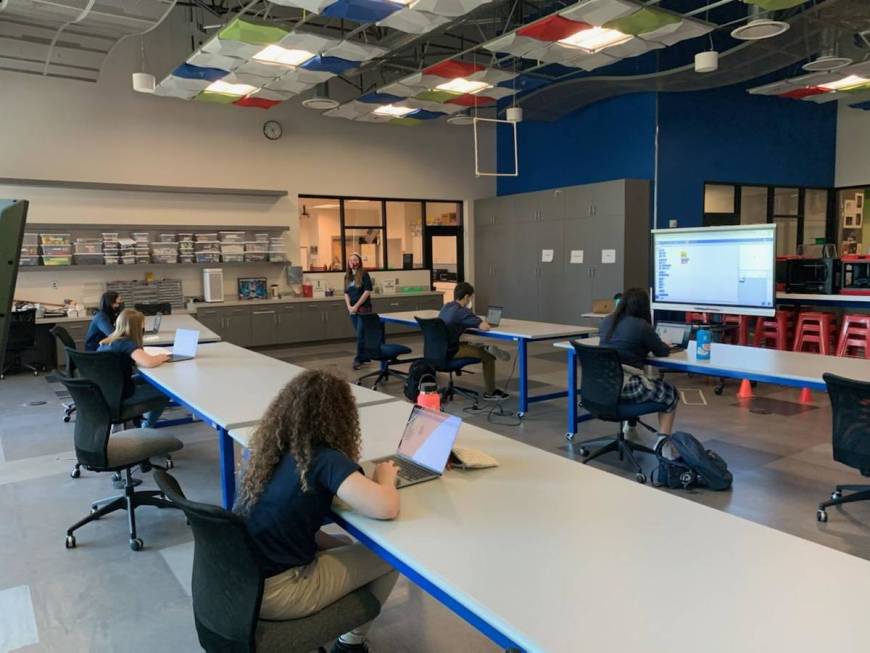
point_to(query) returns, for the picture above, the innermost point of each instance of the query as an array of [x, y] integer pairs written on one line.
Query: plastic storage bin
[[54, 239], [89, 246], [57, 260], [205, 237], [232, 248], [232, 236], [261, 237], [28, 261], [164, 258], [167, 238], [164, 249], [186, 258], [212, 246], [233, 258], [256, 257], [110, 260], [128, 259], [257, 246], [208, 257], [56, 250], [30, 239], [88, 259], [141, 236], [277, 257], [30, 250]]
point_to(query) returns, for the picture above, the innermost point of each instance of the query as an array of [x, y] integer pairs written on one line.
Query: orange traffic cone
[[745, 391], [806, 396]]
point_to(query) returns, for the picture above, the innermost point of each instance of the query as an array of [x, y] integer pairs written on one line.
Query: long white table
[[168, 325], [522, 332], [227, 386], [618, 567], [789, 368], [835, 301]]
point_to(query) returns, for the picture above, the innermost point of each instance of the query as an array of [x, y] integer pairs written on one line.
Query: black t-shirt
[[284, 520], [354, 291], [458, 319], [633, 339]]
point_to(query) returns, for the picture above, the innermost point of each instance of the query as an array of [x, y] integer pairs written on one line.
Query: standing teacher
[[357, 298]]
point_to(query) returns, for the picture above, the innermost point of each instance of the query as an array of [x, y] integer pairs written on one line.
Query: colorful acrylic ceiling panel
[[595, 33], [821, 87], [262, 62], [413, 21], [773, 5]]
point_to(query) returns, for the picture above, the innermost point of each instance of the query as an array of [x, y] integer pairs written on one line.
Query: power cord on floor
[[496, 414]]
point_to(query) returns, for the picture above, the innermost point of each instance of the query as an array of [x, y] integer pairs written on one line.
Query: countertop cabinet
[[264, 327]]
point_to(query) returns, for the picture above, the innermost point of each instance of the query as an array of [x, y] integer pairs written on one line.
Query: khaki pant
[[467, 350], [335, 573]]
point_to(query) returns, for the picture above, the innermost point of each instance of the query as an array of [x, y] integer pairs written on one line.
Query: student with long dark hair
[[629, 330], [357, 298], [103, 323], [304, 453]]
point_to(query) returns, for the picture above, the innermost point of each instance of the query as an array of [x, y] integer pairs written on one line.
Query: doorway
[[442, 253]]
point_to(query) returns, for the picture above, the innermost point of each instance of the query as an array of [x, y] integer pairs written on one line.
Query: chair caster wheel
[[66, 419], [640, 478], [521, 414], [70, 541], [821, 515], [116, 476], [136, 544], [836, 495], [169, 463], [75, 473], [94, 509], [569, 436], [718, 391], [35, 372], [583, 451]]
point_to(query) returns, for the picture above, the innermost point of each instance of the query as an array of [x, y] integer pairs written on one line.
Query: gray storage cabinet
[[513, 231]]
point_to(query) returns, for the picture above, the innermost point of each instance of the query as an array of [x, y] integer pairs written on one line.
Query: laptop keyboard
[[409, 472]]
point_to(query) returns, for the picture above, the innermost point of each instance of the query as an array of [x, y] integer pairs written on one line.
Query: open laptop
[[154, 331], [674, 334], [184, 348], [493, 315], [424, 448]]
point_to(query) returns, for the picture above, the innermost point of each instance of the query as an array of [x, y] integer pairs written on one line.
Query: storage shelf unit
[[144, 266], [142, 188]]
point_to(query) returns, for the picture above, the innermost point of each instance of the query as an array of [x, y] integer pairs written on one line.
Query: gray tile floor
[[104, 597]]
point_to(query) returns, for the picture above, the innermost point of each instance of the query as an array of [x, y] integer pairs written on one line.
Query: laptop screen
[[493, 315], [673, 333], [186, 341], [428, 438]]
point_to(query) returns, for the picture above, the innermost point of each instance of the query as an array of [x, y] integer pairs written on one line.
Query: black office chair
[[227, 589], [22, 338], [164, 308], [600, 389], [850, 403], [127, 400], [436, 340], [378, 350], [100, 450], [66, 341]]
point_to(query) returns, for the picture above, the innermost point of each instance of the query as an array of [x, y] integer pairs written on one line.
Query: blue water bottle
[[702, 344]]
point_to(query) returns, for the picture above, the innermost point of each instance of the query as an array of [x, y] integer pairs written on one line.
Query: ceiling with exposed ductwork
[[377, 57]]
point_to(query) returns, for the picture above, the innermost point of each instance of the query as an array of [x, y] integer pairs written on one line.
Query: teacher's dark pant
[[361, 356]]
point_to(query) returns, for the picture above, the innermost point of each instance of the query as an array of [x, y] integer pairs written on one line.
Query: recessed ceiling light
[[225, 88], [319, 103], [393, 110], [277, 54], [460, 119], [846, 83], [826, 63], [595, 39], [757, 30], [463, 86]]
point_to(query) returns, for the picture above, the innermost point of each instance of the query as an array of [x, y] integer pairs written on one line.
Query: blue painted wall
[[728, 135], [717, 135], [611, 139]]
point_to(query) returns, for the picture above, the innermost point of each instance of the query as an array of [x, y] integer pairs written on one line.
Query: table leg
[[572, 394], [228, 468], [524, 378]]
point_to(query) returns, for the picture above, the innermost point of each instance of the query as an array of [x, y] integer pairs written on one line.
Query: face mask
[[119, 308]]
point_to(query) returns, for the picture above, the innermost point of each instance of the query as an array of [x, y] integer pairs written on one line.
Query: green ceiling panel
[[252, 32], [771, 5], [643, 21], [217, 98], [437, 96]]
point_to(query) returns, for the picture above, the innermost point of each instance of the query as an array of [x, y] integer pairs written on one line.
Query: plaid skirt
[[639, 390]]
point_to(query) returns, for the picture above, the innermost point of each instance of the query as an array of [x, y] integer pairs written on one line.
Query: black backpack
[[695, 466], [416, 373]]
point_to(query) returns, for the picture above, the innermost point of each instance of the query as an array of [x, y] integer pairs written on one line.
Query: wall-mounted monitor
[[715, 269]]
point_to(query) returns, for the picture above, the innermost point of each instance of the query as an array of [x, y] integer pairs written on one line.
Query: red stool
[[697, 318], [815, 329], [855, 333], [740, 336], [774, 331]]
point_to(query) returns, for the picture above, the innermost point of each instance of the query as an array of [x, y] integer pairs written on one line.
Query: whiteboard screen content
[[715, 269]]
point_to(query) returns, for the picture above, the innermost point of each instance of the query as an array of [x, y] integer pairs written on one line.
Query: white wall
[[853, 147], [59, 129]]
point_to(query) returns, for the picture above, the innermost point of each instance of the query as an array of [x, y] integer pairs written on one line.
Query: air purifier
[[213, 284]]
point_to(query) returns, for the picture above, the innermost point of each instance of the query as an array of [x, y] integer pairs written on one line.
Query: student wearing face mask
[[357, 298], [103, 323]]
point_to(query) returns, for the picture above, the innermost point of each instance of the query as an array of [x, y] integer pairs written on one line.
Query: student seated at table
[[629, 330], [103, 323], [458, 317], [304, 453], [126, 339]]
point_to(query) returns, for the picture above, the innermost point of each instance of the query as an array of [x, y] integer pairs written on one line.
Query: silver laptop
[[155, 325], [674, 334], [184, 348], [424, 448], [493, 315]]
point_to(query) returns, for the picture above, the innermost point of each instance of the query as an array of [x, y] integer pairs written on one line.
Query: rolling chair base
[[128, 501], [861, 493], [382, 376], [619, 444]]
